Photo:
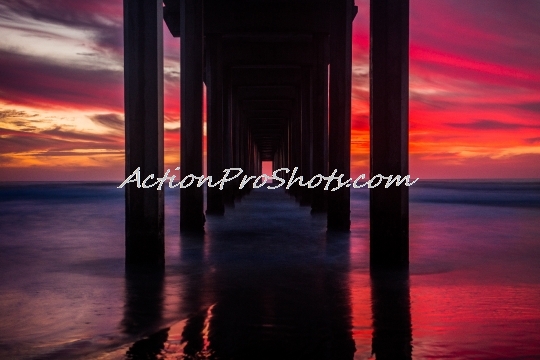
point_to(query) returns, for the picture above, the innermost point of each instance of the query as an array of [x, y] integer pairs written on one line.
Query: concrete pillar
[[143, 91], [340, 111], [259, 162], [305, 122], [244, 154], [320, 121], [296, 141], [252, 167], [248, 146], [389, 118], [228, 191], [275, 160], [191, 102], [236, 146], [214, 121]]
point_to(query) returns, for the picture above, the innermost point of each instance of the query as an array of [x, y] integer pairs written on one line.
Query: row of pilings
[[278, 81]]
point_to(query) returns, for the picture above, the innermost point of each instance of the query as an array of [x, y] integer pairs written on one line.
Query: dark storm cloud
[[492, 31], [483, 124], [13, 141], [534, 140], [102, 18], [11, 113], [70, 135], [112, 121], [529, 106], [86, 153], [111, 39], [32, 81], [20, 142]]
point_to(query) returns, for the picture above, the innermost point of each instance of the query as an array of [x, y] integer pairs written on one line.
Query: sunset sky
[[474, 90]]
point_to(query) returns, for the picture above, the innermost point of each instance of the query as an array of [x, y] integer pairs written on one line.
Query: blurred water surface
[[266, 281]]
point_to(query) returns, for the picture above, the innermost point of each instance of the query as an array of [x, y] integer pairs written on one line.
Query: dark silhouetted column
[[143, 91], [305, 169], [320, 122], [228, 191], [389, 114], [340, 111], [214, 122], [191, 102], [296, 143]]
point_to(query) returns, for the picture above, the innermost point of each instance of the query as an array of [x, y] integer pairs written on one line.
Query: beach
[[267, 280]]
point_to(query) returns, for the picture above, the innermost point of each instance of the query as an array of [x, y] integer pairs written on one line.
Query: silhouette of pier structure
[[278, 87]]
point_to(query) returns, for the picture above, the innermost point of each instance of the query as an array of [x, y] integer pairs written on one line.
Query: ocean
[[267, 281]]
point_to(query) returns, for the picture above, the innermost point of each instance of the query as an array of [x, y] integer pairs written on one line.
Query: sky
[[474, 90]]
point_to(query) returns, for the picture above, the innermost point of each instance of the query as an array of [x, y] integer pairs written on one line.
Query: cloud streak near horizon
[[474, 89]]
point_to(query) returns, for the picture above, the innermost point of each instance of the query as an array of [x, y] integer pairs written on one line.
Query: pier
[[278, 88]]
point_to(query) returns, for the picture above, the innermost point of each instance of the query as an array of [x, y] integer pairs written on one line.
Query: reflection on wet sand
[[291, 312], [299, 310], [247, 298], [143, 311], [267, 272], [144, 300], [391, 308]]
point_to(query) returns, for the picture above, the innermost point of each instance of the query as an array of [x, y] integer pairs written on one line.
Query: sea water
[[266, 281]]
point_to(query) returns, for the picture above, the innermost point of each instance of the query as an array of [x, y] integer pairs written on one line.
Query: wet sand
[[266, 281]]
